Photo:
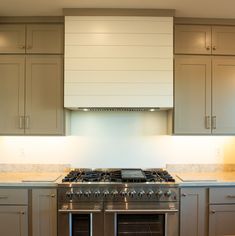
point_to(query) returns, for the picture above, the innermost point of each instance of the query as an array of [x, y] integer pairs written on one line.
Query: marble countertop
[[30, 179], [194, 179]]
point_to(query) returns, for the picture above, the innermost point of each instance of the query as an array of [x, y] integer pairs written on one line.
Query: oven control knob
[[87, 193], [69, 195], [114, 193], [168, 193], [97, 193], [79, 193], [132, 193], [141, 193], [106, 193], [150, 193], [123, 193], [159, 193]]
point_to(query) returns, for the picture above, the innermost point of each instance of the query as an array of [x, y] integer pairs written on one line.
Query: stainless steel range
[[115, 202]]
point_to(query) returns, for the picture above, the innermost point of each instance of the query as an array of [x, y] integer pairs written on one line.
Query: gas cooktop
[[118, 175]]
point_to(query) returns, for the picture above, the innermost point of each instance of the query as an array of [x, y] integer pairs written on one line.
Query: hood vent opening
[[118, 109]]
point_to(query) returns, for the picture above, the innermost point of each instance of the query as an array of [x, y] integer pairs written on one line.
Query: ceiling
[[184, 8]]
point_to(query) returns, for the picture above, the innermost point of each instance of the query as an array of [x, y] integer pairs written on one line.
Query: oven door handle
[[141, 210], [79, 211]]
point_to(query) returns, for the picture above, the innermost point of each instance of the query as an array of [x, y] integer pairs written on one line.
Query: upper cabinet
[[118, 61], [31, 81], [12, 38], [31, 38], [203, 39]]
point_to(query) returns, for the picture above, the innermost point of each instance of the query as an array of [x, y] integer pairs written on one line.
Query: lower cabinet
[[221, 211], [193, 212], [13, 220], [44, 212]]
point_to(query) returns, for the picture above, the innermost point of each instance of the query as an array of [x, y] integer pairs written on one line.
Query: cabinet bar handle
[[3, 197], [208, 122], [213, 122], [21, 46], [231, 196], [21, 122], [27, 122]]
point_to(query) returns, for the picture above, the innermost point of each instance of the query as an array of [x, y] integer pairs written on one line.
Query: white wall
[[117, 140]]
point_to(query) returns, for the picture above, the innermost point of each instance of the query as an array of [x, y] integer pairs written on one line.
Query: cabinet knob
[[22, 212], [21, 46], [53, 195], [214, 48], [208, 48], [212, 212], [184, 194]]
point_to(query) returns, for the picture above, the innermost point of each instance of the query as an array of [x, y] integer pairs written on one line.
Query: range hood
[[118, 63]]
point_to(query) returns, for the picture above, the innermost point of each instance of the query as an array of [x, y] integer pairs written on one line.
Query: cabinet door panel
[[43, 38], [13, 221], [223, 95], [44, 212], [193, 212], [192, 94], [12, 38], [221, 220], [12, 94], [223, 38], [192, 39], [44, 95]]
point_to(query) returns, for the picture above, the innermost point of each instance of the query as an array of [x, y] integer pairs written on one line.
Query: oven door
[[141, 219], [80, 220]]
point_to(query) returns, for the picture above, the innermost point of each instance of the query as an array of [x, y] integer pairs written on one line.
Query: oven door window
[[81, 225], [140, 224]]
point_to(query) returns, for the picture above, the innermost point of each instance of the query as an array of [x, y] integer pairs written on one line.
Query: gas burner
[[119, 176]]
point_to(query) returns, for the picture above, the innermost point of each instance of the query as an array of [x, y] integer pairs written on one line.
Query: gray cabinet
[[12, 81], [221, 211], [14, 220], [44, 38], [192, 39], [204, 39], [12, 38], [193, 212], [44, 212], [192, 95], [31, 38], [31, 102], [13, 212], [204, 95]]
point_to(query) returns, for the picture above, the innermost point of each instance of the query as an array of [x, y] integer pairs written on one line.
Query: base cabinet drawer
[[13, 196], [222, 195], [13, 220], [221, 220]]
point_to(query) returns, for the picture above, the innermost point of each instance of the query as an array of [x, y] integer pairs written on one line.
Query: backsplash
[[118, 140]]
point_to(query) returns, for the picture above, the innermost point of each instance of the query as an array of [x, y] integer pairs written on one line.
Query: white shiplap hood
[[118, 62]]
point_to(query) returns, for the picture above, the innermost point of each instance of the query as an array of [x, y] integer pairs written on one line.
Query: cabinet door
[[193, 212], [223, 38], [221, 220], [192, 39], [223, 95], [44, 95], [12, 94], [13, 221], [12, 38], [44, 38], [192, 95], [44, 212]]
